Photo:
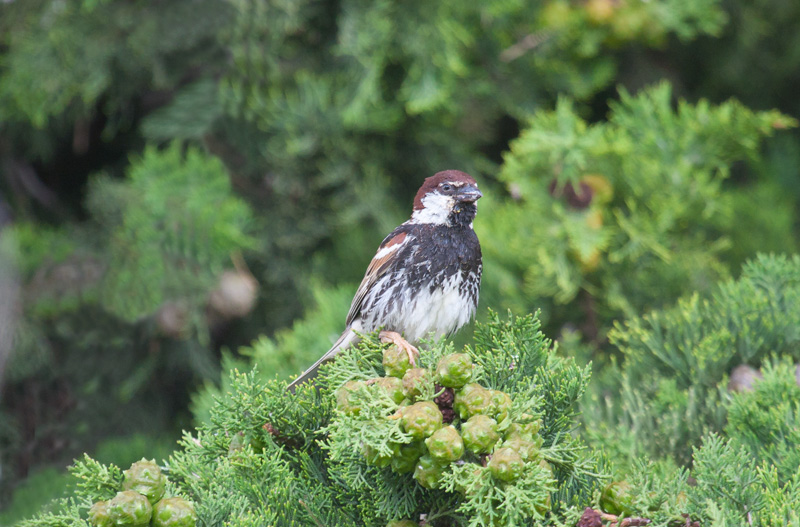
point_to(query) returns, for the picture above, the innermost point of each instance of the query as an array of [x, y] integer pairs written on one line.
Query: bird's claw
[[397, 339]]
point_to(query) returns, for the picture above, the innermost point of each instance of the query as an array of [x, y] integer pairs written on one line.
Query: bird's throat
[[462, 215]]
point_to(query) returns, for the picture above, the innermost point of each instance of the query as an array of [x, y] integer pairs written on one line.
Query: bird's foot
[[397, 339]]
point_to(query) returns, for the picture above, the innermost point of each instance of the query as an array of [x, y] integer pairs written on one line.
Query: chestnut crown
[[460, 185]]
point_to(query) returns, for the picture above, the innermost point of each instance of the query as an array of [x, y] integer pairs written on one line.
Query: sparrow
[[425, 278]]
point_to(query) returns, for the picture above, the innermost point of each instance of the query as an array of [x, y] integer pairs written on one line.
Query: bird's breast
[[434, 289], [428, 310]]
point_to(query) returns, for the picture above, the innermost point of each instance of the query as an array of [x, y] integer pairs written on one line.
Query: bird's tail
[[345, 340]]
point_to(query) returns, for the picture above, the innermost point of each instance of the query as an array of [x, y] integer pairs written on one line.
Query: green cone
[[145, 478], [174, 512]]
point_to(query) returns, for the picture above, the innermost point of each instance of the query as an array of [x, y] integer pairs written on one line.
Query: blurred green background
[[193, 185]]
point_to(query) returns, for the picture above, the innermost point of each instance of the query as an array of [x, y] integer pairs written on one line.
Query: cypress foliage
[[269, 457], [675, 382]]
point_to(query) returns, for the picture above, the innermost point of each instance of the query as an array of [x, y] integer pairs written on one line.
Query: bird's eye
[[447, 187]]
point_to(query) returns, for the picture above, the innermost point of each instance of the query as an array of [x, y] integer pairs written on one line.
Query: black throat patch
[[462, 215]]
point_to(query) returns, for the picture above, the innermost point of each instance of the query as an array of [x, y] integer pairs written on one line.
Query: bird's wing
[[381, 263], [383, 260]]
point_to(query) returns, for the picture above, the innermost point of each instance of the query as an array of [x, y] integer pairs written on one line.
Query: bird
[[424, 280]]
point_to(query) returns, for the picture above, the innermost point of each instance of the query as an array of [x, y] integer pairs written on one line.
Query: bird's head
[[447, 198]]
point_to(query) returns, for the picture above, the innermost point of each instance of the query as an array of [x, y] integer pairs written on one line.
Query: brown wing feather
[[377, 268]]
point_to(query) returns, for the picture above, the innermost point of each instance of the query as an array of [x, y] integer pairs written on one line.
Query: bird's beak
[[469, 194]]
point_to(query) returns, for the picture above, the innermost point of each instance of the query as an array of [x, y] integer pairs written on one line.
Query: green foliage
[[512, 354], [190, 114], [108, 487], [656, 222], [34, 494], [726, 481], [490, 503], [765, 218], [80, 71], [727, 487], [265, 455], [766, 420], [780, 506], [177, 225], [97, 293], [49, 484], [345, 105], [29, 247], [678, 360], [732, 488], [741, 322], [729, 484], [288, 352], [718, 64], [65, 513], [294, 460], [56, 57], [99, 481], [537, 382]]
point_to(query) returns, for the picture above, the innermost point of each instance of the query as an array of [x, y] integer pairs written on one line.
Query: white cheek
[[436, 209]]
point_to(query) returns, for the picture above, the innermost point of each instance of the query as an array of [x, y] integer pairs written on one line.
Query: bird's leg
[[397, 339]]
